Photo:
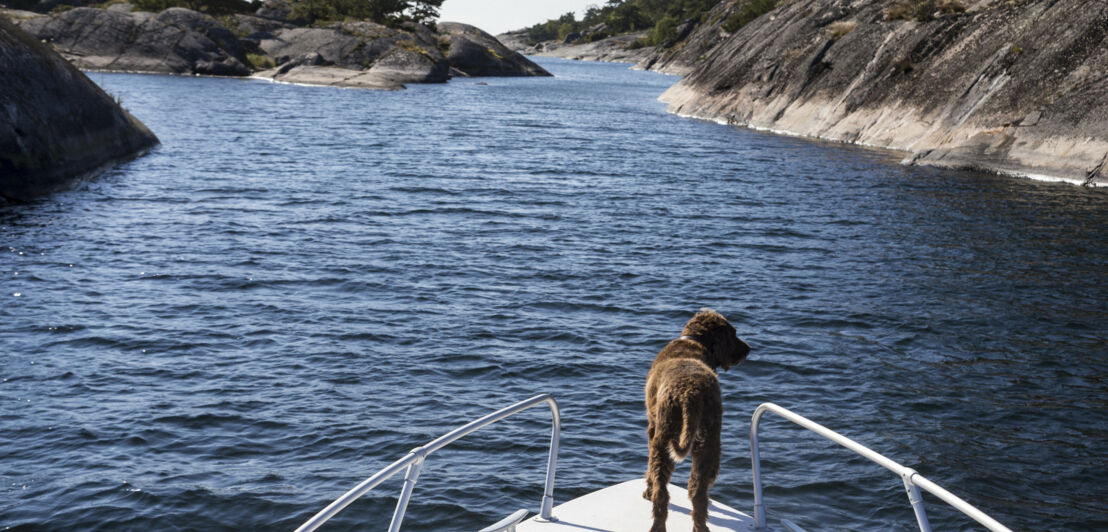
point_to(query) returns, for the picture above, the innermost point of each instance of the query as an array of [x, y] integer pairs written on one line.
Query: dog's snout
[[741, 351]]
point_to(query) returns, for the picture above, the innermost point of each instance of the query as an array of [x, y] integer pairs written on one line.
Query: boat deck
[[622, 508]]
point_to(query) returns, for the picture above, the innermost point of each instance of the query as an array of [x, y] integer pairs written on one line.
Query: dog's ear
[[703, 323]]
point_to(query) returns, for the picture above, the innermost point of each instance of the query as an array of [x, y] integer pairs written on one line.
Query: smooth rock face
[[56, 125], [1012, 88], [514, 40], [390, 54], [477, 53], [175, 41], [330, 76]]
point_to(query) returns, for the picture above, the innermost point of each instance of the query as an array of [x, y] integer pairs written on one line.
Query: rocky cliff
[[1015, 86], [271, 44], [56, 125]]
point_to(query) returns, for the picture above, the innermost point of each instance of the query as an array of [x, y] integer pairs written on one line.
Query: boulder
[[277, 10], [330, 76], [56, 125], [476, 53], [390, 54], [405, 65]]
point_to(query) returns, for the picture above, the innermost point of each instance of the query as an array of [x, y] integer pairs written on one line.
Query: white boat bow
[[621, 507]]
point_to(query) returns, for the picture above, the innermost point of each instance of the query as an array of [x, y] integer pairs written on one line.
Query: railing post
[[916, 499], [756, 468], [410, 479], [545, 511]]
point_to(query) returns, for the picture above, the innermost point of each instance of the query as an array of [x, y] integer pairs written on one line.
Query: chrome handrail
[[912, 480], [413, 461]]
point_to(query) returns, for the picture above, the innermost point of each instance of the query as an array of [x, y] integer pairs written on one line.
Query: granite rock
[[476, 53], [1014, 87], [175, 41], [180, 41], [56, 125]]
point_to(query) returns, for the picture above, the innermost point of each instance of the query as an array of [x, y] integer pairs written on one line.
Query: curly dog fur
[[684, 411]]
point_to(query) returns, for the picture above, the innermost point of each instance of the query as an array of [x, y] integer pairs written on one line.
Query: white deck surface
[[621, 508]]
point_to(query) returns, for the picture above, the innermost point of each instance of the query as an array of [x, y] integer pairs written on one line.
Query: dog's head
[[710, 328]]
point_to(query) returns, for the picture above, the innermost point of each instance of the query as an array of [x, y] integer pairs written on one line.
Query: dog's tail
[[690, 432]]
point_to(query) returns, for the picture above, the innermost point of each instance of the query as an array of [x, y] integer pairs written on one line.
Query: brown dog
[[684, 411]]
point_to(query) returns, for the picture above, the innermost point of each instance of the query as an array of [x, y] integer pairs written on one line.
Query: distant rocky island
[[57, 126], [274, 43], [1013, 86]]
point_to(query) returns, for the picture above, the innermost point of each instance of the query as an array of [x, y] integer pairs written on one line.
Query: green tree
[[424, 10], [389, 12], [627, 17], [661, 17], [211, 7], [663, 32]]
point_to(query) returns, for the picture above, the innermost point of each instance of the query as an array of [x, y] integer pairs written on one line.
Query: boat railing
[[415, 459], [913, 481]]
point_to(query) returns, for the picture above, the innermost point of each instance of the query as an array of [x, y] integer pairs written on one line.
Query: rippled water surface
[[301, 284]]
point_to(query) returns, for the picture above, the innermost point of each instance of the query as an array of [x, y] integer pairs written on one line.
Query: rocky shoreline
[[1013, 87], [617, 49], [270, 44]]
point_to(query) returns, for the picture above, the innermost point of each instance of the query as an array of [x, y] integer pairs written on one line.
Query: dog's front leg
[[648, 494]]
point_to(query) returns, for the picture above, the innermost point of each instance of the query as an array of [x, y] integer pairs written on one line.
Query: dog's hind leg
[[660, 467], [658, 471], [648, 494], [705, 467]]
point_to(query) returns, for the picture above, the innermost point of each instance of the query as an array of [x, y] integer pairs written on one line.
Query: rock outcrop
[[476, 53], [354, 54], [56, 125], [271, 44], [175, 41], [1015, 87], [514, 40]]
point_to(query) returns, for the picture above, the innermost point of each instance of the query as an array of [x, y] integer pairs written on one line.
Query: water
[[301, 284]]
